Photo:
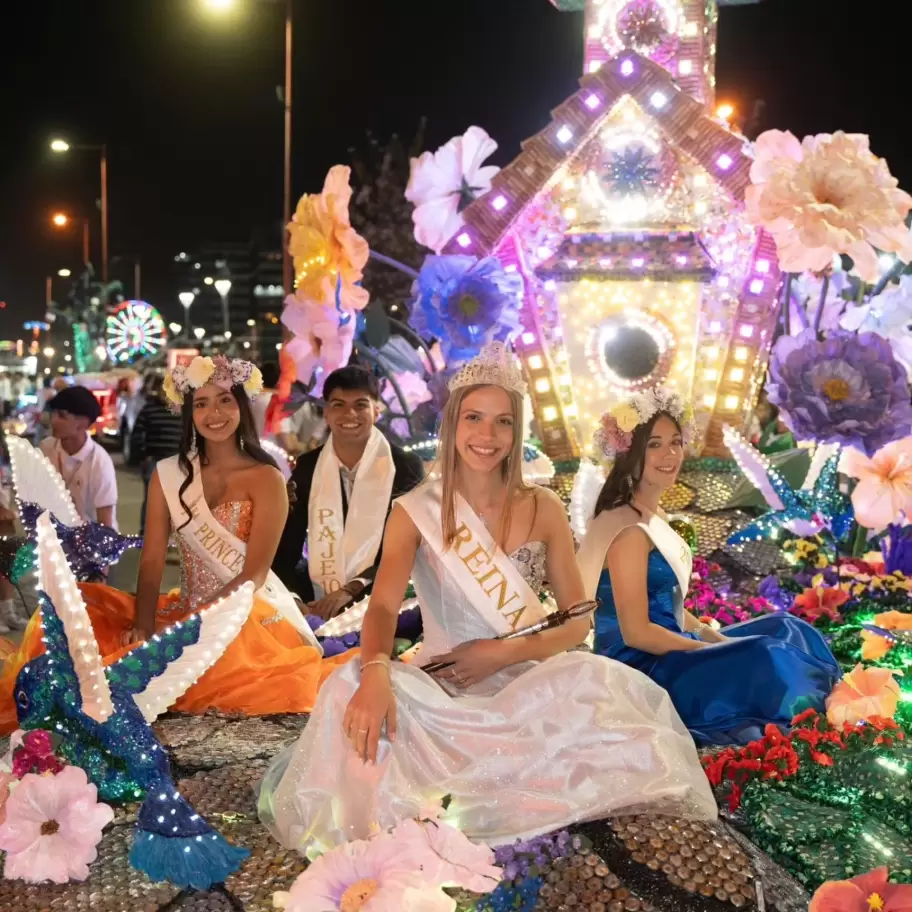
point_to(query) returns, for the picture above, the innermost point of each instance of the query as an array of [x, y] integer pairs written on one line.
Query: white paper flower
[[444, 182], [889, 315]]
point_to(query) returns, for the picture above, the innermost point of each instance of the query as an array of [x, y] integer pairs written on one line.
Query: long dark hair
[[246, 436], [627, 470]]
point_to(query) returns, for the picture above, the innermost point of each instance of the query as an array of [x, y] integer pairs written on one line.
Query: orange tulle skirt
[[267, 669]]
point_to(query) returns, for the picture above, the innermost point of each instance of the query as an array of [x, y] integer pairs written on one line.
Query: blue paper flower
[[466, 303]]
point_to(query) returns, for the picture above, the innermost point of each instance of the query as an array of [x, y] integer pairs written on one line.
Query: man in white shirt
[[85, 466]]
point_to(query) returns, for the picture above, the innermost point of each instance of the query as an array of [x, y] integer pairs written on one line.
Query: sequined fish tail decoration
[[104, 716]]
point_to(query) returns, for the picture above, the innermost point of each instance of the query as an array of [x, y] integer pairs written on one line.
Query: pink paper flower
[[447, 857], [415, 391], [53, 825], [824, 196], [6, 779], [870, 892], [323, 337], [442, 183], [864, 693], [884, 489]]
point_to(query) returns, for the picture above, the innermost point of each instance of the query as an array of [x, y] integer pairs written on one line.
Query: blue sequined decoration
[[90, 548], [122, 755]]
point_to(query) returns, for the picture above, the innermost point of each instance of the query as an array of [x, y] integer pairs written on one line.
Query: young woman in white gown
[[522, 736]]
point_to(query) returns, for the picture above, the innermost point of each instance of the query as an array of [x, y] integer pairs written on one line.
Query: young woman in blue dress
[[726, 686]]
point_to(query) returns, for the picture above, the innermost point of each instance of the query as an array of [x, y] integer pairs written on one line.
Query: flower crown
[[494, 365], [617, 425], [223, 372]]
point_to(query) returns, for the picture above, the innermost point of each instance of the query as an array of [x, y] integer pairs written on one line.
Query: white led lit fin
[[587, 483], [56, 579], [37, 481], [352, 618], [219, 625], [755, 466]]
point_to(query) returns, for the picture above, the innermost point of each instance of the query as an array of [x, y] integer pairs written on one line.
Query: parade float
[[637, 240]]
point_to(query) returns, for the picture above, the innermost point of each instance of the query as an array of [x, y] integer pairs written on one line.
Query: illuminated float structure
[[625, 218]]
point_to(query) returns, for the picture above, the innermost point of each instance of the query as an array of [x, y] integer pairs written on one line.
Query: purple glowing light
[[593, 101], [627, 68], [658, 100], [464, 240], [723, 282], [572, 264], [528, 338], [681, 260], [763, 266], [605, 263], [638, 262], [724, 161], [511, 267], [499, 203], [756, 286], [550, 285], [746, 331], [715, 326], [544, 253], [564, 135]]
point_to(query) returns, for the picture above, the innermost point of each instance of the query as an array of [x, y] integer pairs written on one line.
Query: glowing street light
[[219, 6], [60, 219], [49, 352], [725, 111], [60, 146], [223, 286], [64, 273], [175, 328], [186, 299], [199, 332]]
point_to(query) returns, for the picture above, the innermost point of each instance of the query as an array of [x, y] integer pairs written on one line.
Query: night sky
[[188, 107]]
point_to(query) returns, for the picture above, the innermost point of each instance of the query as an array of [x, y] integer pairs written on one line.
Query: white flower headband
[[617, 425], [223, 372]]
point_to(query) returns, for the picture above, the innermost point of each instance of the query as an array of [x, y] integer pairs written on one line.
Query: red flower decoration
[[819, 602]]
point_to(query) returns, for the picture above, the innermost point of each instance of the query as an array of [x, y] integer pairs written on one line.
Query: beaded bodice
[[531, 561], [198, 582]]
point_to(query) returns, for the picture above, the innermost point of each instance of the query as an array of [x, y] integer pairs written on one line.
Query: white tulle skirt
[[577, 737]]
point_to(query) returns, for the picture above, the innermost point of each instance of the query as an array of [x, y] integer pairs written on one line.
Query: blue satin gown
[[726, 693]]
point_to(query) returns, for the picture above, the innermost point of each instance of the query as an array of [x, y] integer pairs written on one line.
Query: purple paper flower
[[847, 389], [772, 591], [897, 550], [465, 303]]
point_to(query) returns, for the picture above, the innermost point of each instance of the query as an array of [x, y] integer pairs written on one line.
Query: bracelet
[[384, 662]]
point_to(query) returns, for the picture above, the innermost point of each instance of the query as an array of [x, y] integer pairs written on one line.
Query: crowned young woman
[[225, 501], [727, 687], [521, 735]]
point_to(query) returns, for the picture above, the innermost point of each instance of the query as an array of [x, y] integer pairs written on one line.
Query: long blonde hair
[[448, 460]]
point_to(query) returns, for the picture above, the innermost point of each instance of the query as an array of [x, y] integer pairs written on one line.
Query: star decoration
[[803, 512], [632, 171]]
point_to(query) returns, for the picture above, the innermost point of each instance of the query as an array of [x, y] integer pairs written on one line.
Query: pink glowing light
[[593, 101], [499, 203], [564, 135], [627, 68], [747, 331], [763, 266], [724, 161], [528, 338], [756, 286], [464, 240], [681, 260], [638, 262]]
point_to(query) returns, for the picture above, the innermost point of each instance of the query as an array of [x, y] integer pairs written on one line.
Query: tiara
[[616, 426], [494, 365], [221, 371]]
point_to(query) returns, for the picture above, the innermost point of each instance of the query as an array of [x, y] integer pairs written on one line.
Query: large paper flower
[[824, 196], [873, 645], [870, 892], [6, 780], [447, 858], [806, 291], [846, 389], [820, 602], [444, 182], [884, 489], [323, 337], [53, 825], [466, 303], [864, 693], [888, 315], [368, 874], [329, 255]]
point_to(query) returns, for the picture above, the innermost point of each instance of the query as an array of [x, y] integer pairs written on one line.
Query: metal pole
[[287, 282], [104, 214], [137, 277], [85, 243], [226, 317], [48, 293]]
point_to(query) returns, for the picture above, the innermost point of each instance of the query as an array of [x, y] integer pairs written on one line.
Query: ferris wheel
[[134, 330]]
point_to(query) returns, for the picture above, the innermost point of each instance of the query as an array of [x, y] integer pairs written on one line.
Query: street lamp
[[62, 147], [222, 6], [49, 352], [64, 273], [223, 286], [175, 328], [199, 332], [60, 219], [186, 299]]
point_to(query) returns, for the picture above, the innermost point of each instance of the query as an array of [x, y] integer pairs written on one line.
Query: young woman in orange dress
[[224, 500]]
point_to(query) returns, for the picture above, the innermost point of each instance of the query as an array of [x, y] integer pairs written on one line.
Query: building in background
[[237, 297]]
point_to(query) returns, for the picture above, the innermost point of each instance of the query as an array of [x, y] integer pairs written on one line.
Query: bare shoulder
[[547, 503], [264, 478], [400, 526], [631, 541]]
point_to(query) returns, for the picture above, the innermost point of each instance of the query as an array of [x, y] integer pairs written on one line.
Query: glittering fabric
[[198, 582]]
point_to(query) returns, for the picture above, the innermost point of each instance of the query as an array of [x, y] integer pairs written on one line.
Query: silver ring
[[362, 731]]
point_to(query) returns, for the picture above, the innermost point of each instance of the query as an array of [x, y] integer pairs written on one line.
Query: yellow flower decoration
[[254, 384], [171, 392], [627, 417]]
